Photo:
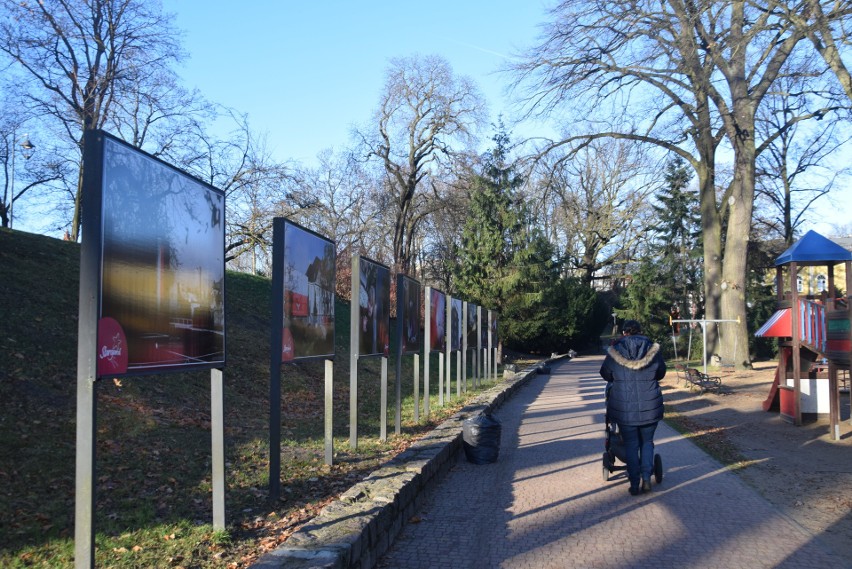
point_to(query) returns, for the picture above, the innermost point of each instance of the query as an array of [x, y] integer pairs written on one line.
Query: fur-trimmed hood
[[633, 367], [634, 352]]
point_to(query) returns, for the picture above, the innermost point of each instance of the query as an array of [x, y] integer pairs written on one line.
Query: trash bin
[[481, 438]]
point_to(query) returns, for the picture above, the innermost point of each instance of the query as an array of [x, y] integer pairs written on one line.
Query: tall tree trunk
[[711, 221], [401, 258], [739, 203], [734, 346], [711, 227]]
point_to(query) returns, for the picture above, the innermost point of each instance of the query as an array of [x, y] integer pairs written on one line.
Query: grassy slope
[[153, 441]]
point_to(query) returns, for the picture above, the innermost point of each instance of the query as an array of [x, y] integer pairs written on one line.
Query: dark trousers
[[639, 451]]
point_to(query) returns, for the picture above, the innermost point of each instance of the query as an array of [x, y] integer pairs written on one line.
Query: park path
[[544, 503]]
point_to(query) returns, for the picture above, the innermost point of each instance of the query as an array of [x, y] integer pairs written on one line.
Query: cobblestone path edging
[[354, 531]]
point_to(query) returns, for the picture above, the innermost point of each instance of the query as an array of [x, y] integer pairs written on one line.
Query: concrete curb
[[357, 529]]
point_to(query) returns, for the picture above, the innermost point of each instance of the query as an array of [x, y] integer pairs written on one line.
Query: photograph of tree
[[309, 273], [483, 328], [438, 322], [456, 324], [412, 333], [163, 266], [374, 305], [471, 326]]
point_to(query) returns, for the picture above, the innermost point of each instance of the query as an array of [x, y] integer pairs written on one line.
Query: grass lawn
[[153, 485]]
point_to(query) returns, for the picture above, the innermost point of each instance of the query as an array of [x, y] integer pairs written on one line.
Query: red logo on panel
[[112, 348], [287, 346]]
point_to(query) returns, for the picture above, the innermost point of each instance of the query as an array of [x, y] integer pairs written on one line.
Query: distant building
[[812, 281]]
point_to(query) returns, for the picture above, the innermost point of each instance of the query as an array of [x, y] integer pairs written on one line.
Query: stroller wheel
[[607, 466], [658, 469]]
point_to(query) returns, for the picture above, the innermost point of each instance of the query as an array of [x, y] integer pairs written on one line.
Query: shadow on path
[[544, 502]]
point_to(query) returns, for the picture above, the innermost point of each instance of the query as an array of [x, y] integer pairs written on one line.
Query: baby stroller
[[614, 450]]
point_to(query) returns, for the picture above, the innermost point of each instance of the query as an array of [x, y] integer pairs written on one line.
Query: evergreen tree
[[505, 262], [678, 235], [670, 273], [648, 299], [492, 231]]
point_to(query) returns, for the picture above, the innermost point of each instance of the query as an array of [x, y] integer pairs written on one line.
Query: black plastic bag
[[481, 439]]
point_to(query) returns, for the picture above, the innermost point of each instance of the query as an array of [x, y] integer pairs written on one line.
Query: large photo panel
[[162, 304], [412, 332], [456, 324], [471, 325], [308, 291], [483, 327], [374, 308], [438, 321]]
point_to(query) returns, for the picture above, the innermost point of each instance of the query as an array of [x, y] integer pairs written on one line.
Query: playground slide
[[772, 399], [771, 402]]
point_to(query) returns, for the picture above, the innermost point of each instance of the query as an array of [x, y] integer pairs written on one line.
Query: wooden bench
[[702, 381]]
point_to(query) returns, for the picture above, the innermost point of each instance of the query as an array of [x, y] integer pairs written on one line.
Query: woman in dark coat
[[633, 369]]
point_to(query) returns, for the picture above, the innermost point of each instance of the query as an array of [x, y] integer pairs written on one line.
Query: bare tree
[[244, 169], [437, 249], [601, 201], [79, 57], [29, 174], [842, 229], [643, 71], [25, 172], [684, 76], [825, 23], [425, 115], [794, 167], [337, 200], [163, 117]]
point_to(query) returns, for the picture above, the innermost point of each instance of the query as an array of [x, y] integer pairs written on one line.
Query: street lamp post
[[28, 148]]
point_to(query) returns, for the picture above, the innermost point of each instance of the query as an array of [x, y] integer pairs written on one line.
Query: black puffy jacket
[[634, 367]]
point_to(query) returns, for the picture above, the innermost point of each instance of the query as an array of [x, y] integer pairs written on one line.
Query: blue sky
[[307, 71]]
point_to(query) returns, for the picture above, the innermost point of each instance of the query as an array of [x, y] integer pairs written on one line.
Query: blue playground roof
[[813, 249]]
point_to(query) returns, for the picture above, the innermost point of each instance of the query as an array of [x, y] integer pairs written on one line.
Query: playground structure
[[815, 341]]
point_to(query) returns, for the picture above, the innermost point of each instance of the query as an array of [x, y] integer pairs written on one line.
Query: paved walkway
[[544, 503]]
